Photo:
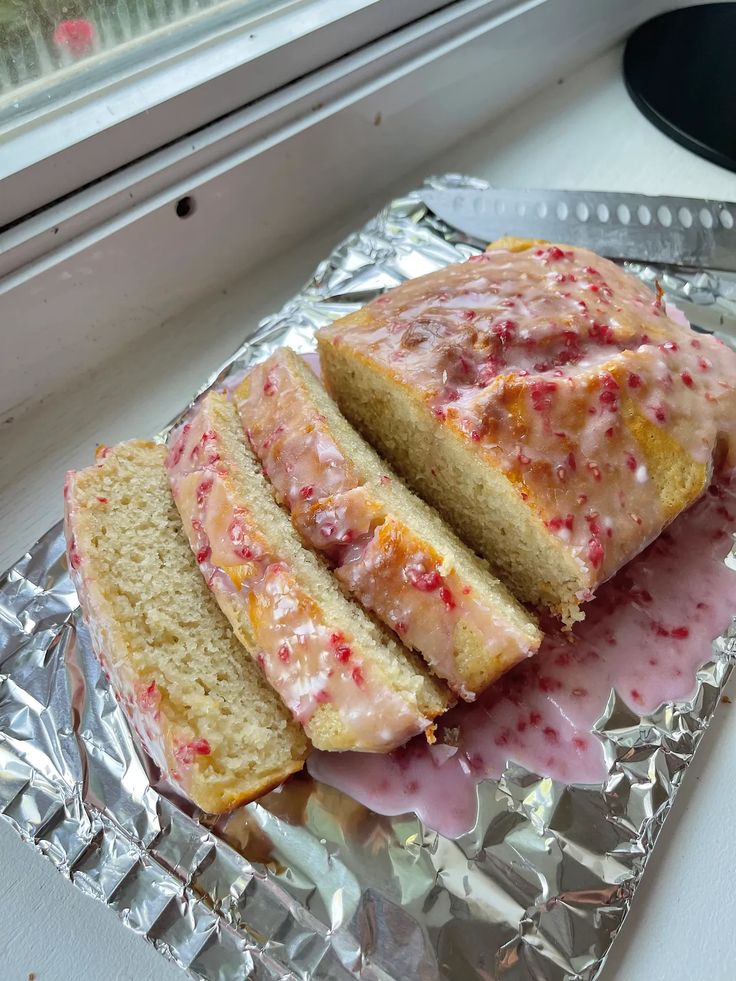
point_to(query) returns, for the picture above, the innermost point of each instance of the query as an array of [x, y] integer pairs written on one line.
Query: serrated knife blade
[[668, 230]]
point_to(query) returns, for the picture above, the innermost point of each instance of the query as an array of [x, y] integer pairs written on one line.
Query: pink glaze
[[304, 656], [565, 373], [645, 635], [346, 515], [312, 359]]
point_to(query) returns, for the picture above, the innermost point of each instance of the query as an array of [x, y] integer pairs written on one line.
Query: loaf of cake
[[343, 677], [389, 550], [199, 704], [546, 402]]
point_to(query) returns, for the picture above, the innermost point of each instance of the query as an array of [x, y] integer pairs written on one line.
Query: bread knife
[[669, 230], [688, 235]]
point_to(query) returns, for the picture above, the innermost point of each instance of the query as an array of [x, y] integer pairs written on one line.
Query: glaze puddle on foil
[[645, 635]]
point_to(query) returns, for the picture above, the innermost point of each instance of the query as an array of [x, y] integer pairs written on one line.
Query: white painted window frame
[[150, 92], [112, 261]]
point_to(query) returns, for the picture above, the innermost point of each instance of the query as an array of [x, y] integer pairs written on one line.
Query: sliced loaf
[[199, 704], [388, 548], [550, 406], [342, 676]]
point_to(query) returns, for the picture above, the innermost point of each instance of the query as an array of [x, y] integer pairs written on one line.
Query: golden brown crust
[[224, 805], [678, 478]]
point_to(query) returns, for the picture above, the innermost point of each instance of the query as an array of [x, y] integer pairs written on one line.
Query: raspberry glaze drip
[[645, 635]]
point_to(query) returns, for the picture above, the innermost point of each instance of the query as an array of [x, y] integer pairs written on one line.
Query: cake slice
[[545, 401], [198, 703], [348, 683], [390, 551]]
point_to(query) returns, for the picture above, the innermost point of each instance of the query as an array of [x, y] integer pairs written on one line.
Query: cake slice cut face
[[199, 704], [388, 549], [344, 679], [546, 402]]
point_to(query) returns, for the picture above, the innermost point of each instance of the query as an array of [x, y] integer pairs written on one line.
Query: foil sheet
[[307, 883]]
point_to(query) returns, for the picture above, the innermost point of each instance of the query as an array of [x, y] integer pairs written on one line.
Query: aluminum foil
[[307, 883]]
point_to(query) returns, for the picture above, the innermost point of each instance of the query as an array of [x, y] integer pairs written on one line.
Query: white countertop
[[581, 133]]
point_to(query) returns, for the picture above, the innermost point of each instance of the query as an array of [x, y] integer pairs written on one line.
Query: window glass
[[57, 47]]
